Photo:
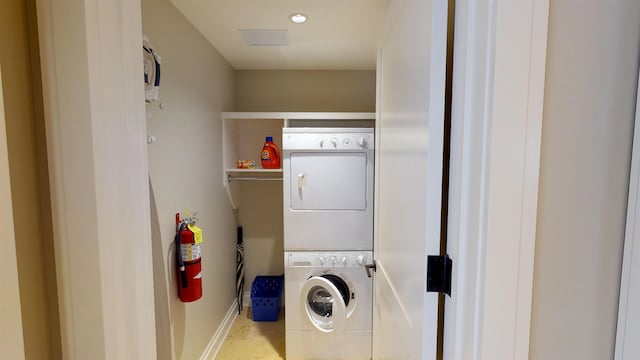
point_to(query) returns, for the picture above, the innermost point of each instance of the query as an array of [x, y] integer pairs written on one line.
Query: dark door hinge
[[439, 274], [370, 267]]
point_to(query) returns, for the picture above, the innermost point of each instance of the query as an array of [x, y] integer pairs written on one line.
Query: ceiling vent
[[265, 37]]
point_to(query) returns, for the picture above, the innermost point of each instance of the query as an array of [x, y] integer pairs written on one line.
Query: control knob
[[344, 260], [360, 259], [321, 142], [321, 260], [362, 142], [334, 141], [333, 260]]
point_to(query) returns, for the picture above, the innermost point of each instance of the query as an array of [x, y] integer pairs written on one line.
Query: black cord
[[181, 267]]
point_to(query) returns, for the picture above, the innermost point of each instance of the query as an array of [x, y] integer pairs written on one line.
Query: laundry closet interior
[[106, 282], [215, 106]]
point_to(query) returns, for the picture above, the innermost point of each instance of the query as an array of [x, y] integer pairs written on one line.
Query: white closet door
[[411, 79]]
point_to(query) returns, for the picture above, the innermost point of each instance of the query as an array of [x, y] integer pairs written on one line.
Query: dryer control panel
[[326, 139], [329, 259]]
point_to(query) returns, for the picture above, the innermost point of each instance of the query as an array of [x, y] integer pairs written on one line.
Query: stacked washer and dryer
[[328, 240]]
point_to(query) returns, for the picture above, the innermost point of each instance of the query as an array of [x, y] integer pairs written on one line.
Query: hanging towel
[[151, 71], [239, 269]]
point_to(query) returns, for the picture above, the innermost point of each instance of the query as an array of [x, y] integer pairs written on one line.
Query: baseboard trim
[[215, 344]]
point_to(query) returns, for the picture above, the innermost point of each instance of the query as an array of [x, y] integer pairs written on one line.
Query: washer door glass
[[324, 300]]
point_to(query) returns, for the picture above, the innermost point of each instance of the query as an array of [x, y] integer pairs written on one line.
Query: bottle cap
[[269, 138]]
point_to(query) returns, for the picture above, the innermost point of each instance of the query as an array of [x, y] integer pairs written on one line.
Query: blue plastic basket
[[265, 297]]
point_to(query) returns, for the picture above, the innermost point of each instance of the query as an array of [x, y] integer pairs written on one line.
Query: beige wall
[[260, 215], [185, 166], [260, 211], [296, 90], [29, 184], [592, 69]]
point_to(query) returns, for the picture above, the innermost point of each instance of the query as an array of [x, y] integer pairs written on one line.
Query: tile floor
[[254, 340]]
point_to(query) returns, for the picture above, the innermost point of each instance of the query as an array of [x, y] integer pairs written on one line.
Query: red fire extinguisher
[[188, 259]]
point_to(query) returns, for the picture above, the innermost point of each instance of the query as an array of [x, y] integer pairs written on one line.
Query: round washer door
[[324, 300]]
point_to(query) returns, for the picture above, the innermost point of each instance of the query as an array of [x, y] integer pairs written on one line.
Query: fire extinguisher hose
[[183, 271]]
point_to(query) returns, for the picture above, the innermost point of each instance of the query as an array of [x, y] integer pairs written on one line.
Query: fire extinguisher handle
[[183, 274]]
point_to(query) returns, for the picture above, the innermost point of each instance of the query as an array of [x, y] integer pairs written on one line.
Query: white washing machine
[[328, 304], [328, 188]]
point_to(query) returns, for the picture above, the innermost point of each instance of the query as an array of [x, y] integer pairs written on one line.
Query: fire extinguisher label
[[190, 252], [197, 233]]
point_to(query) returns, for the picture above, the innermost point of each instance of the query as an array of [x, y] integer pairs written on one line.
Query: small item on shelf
[[270, 154], [246, 164]]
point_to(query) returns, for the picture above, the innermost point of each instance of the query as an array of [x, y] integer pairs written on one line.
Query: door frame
[[91, 59], [498, 91], [11, 341], [630, 261], [497, 113]]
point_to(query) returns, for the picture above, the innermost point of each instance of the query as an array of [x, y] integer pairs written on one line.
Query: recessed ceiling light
[[298, 18]]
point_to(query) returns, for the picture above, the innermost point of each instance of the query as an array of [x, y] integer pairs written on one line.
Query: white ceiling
[[338, 35]]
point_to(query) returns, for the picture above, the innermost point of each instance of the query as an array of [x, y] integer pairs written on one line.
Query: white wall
[[260, 211], [185, 165], [592, 69]]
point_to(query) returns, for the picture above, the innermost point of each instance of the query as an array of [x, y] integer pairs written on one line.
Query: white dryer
[[328, 304], [328, 188]]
